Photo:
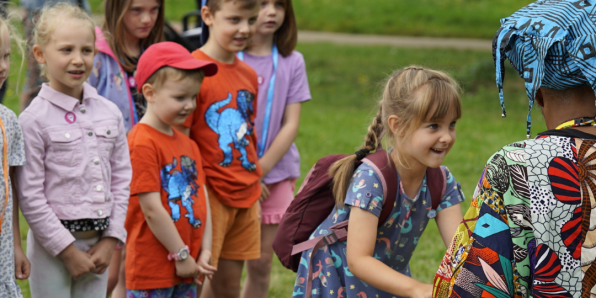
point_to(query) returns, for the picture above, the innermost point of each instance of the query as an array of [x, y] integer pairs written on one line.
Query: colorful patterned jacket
[[528, 232]]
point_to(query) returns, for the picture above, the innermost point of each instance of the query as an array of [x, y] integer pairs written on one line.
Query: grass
[[345, 84]]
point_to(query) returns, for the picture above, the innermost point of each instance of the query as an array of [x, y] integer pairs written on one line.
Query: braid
[[375, 130]]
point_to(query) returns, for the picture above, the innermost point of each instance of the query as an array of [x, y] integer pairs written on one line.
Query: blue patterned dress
[[16, 157], [396, 238]]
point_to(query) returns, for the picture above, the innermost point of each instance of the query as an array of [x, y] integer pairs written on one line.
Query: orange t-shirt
[[170, 165], [223, 127]]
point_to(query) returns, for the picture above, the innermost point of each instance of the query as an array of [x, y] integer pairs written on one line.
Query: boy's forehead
[[234, 6]]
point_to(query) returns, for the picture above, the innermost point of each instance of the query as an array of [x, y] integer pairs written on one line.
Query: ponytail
[[342, 170]]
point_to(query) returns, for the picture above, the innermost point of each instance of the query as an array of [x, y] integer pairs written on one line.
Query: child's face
[[4, 57], [271, 16], [429, 144], [232, 26], [68, 56], [140, 17], [173, 101]]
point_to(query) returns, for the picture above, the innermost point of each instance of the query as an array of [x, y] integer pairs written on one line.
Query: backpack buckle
[[330, 239]]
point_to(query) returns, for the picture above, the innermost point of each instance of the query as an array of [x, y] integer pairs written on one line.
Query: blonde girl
[[283, 87], [417, 113], [74, 188], [13, 259]]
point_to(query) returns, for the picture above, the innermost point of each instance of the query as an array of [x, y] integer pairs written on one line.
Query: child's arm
[[21, 263], [284, 139], [447, 221], [362, 231], [204, 261], [161, 225]]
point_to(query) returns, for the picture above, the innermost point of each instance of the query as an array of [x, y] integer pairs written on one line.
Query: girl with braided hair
[[417, 114]]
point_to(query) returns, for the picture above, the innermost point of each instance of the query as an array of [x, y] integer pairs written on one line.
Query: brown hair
[[411, 94], [51, 16], [286, 37], [113, 28], [215, 5], [158, 78]]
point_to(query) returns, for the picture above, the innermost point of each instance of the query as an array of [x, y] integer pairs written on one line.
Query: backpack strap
[[436, 180], [386, 171]]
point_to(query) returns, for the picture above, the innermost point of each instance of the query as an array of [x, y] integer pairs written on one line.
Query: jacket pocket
[[67, 147], [106, 139]]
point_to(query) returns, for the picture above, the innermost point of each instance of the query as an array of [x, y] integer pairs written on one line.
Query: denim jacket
[[78, 165], [110, 80]]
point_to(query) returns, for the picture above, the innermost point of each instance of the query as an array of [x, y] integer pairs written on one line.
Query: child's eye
[[279, 4], [452, 124], [235, 20], [252, 20], [6, 55], [433, 126], [136, 10], [66, 50]]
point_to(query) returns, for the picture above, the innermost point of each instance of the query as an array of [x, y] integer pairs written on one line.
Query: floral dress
[[396, 240], [530, 229], [16, 157]]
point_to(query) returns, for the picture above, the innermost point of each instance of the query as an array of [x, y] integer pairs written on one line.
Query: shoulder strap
[[382, 164], [437, 184]]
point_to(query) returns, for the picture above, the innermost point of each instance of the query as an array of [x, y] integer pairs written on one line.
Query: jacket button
[[99, 212], [83, 110], [90, 133], [67, 135], [99, 187], [109, 132], [96, 161]]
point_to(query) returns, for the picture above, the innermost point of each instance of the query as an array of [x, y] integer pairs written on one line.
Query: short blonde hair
[[159, 78], [52, 16]]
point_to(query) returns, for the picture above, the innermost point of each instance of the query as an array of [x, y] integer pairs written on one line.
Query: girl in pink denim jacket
[[74, 189]]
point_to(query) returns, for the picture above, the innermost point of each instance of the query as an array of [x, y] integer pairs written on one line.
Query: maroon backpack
[[315, 201]]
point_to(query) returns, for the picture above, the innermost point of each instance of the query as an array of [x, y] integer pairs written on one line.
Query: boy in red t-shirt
[[223, 127], [168, 219]]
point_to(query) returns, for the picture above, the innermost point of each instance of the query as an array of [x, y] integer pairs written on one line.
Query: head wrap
[[550, 43]]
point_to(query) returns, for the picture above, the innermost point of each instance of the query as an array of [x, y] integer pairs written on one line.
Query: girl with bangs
[[283, 87], [417, 113], [130, 26]]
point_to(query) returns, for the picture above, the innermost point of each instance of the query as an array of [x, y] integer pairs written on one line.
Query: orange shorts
[[236, 231]]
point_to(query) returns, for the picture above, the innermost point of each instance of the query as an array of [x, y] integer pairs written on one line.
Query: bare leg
[[120, 290], [259, 270], [113, 271], [226, 281]]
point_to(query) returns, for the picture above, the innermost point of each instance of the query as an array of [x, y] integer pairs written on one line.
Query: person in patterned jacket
[[529, 231]]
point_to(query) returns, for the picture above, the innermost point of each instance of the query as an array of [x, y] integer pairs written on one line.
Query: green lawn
[[345, 84]]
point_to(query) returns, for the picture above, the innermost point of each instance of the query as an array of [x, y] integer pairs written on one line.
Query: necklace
[[582, 121]]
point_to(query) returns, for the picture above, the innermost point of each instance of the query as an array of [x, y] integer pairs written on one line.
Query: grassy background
[[345, 88]]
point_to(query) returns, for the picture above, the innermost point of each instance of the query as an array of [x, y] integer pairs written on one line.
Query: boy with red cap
[[223, 127], [168, 219]]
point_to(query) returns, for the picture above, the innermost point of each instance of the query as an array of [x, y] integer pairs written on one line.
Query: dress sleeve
[[365, 190], [453, 194]]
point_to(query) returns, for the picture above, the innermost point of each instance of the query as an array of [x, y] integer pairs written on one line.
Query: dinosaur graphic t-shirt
[[170, 165], [223, 127]]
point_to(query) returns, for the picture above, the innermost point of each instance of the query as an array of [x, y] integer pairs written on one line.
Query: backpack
[[314, 202]]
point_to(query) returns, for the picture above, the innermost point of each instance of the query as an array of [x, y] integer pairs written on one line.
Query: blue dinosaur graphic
[[181, 186], [233, 126]]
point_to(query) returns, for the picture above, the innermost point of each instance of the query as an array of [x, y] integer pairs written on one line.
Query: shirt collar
[[64, 101]]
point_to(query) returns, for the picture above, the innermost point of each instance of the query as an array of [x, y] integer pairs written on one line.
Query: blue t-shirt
[[396, 238]]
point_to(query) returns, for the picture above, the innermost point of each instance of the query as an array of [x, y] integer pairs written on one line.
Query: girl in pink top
[[283, 86], [74, 188]]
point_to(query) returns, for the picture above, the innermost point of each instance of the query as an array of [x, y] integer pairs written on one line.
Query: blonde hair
[[411, 94], [113, 29], [159, 78], [52, 16], [6, 27]]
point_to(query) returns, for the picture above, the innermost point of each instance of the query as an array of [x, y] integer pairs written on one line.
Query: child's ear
[[148, 92], [38, 54], [207, 16], [394, 123]]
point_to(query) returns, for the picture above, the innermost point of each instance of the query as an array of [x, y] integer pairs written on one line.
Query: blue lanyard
[[271, 88]]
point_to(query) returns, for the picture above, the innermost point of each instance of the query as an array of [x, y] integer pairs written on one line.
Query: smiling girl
[[75, 185], [417, 113]]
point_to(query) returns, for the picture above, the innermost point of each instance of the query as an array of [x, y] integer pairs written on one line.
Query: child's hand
[[22, 267], [264, 192], [204, 266], [101, 254], [77, 263], [187, 268], [422, 291]]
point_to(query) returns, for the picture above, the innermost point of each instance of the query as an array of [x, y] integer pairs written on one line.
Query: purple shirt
[[78, 165], [291, 86]]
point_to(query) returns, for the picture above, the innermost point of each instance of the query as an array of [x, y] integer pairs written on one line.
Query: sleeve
[[481, 255], [299, 90], [16, 147], [120, 184], [31, 179], [453, 194], [365, 190], [145, 170]]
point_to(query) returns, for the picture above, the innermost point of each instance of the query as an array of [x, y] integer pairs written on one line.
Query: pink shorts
[[280, 197]]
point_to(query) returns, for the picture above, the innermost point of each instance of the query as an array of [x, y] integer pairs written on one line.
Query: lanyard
[[5, 168], [270, 89]]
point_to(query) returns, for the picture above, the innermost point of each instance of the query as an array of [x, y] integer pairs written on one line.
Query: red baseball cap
[[171, 54]]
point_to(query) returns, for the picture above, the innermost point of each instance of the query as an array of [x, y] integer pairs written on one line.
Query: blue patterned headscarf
[[550, 43]]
